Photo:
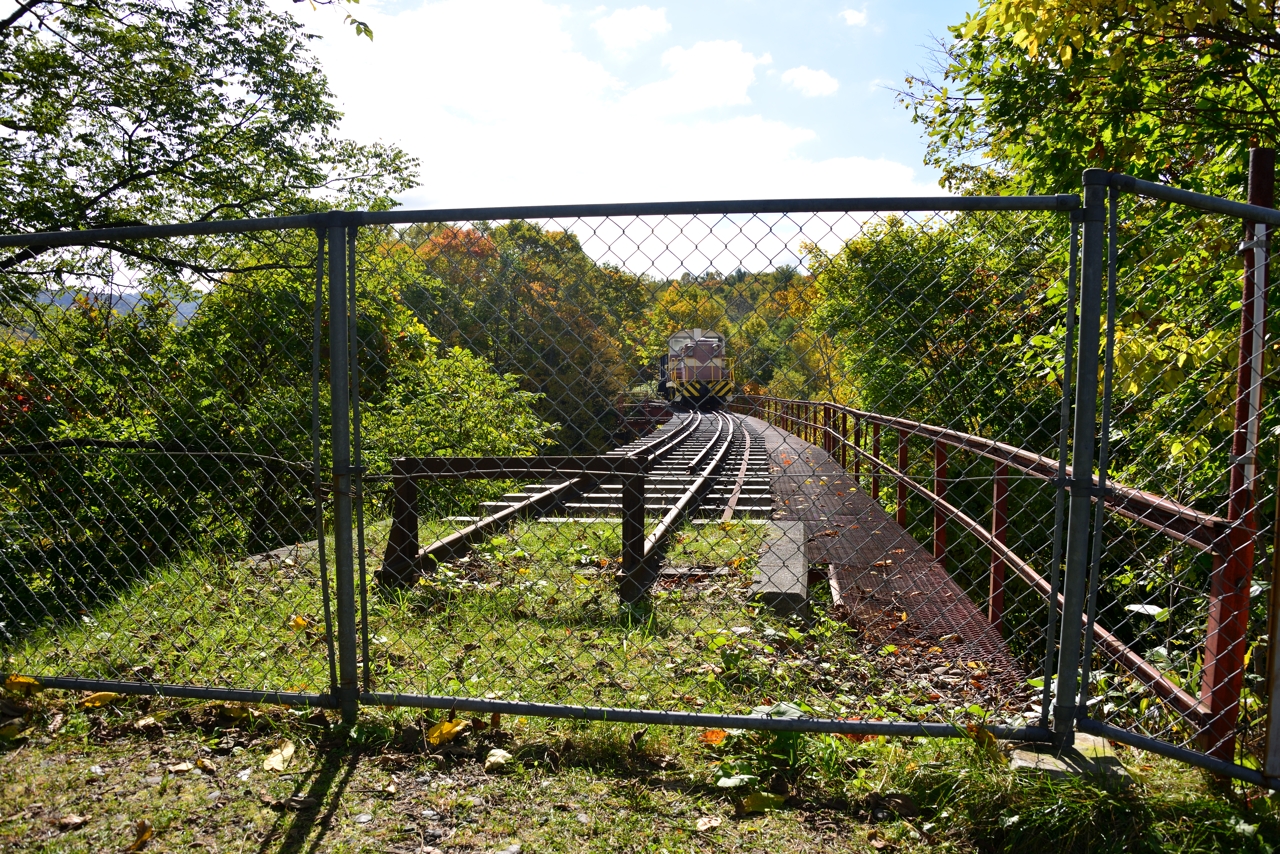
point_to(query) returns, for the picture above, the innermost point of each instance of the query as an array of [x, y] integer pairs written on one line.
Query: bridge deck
[[878, 573]]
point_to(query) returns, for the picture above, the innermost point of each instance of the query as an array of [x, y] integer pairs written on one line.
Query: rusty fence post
[[402, 542], [999, 531], [857, 452], [1226, 633], [940, 490], [844, 440], [638, 578], [902, 470], [875, 453]]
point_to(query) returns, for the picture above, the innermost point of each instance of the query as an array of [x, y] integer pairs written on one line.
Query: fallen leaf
[[236, 712], [496, 760], [279, 758], [101, 698], [885, 562], [206, 765], [181, 768], [298, 802], [23, 685], [712, 736], [877, 841], [364, 818], [707, 822], [142, 831], [298, 622], [633, 743], [144, 723], [446, 731], [761, 802], [71, 821]]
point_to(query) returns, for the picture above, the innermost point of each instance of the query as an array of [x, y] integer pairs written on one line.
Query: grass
[[532, 614], [569, 788]]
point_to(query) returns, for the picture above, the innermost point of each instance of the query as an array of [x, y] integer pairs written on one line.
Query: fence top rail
[[331, 219], [1200, 201]]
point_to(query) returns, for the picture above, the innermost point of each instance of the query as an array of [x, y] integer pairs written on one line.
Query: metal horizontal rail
[[189, 692], [1182, 754], [1174, 520], [97, 236], [1200, 201], [701, 719], [476, 468]]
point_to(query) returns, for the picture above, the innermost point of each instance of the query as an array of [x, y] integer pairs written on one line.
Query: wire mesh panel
[[1166, 586], [158, 443], [748, 567]]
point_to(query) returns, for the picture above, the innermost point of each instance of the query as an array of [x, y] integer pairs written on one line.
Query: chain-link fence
[[159, 447], [786, 465]]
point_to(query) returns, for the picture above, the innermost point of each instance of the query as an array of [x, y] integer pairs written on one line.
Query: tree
[[119, 112], [1172, 90]]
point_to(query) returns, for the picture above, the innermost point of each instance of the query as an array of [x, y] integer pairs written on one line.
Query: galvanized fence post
[[1075, 575], [340, 426]]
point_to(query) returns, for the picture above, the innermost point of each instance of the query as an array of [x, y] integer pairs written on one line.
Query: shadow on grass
[[328, 782]]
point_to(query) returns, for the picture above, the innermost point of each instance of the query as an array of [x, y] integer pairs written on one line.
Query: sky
[[530, 102]]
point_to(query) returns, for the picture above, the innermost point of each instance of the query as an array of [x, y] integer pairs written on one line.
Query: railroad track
[[701, 467]]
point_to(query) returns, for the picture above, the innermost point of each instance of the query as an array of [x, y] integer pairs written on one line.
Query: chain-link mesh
[[157, 443], [1165, 570], [769, 574]]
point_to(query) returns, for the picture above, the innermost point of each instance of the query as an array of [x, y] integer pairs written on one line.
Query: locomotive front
[[695, 373]]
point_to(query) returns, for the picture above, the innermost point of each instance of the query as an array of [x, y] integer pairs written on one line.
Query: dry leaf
[[279, 758], [877, 841], [885, 562], [708, 821], [144, 723], [71, 821], [206, 765], [298, 622], [496, 760], [181, 768], [101, 698], [446, 731], [237, 712], [712, 736], [23, 685], [298, 802], [142, 831]]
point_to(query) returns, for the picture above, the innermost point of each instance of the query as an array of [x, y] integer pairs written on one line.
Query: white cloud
[[494, 99], [810, 82], [854, 18], [627, 29], [705, 76]]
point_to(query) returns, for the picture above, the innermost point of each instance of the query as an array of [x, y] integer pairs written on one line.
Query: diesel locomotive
[[695, 373]]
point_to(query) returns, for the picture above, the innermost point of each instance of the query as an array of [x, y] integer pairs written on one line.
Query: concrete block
[[782, 580], [1090, 756]]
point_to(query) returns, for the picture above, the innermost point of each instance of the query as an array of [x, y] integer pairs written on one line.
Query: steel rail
[[742, 476], [460, 541], [653, 542]]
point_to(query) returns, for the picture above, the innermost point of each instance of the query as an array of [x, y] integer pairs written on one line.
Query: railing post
[[1084, 428], [940, 490], [999, 531], [402, 541], [875, 453], [902, 469], [857, 452], [844, 440], [1226, 635], [340, 426], [637, 578]]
